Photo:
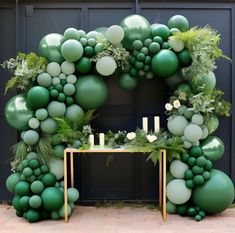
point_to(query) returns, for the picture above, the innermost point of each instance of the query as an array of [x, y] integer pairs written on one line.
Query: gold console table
[[70, 152]]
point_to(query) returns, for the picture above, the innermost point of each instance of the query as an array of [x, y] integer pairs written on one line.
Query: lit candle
[[156, 124], [101, 139], [145, 124], [91, 140]]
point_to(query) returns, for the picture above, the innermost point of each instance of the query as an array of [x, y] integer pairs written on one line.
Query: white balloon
[[56, 167], [177, 168], [55, 80], [177, 192], [106, 66], [193, 133], [68, 67], [53, 68], [176, 125], [114, 34]]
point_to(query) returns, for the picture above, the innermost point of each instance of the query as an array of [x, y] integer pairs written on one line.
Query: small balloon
[[114, 34], [106, 66]]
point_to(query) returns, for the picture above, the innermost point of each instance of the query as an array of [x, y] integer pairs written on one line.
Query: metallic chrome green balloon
[[216, 194], [18, 112], [212, 123], [135, 27], [213, 148], [91, 91], [49, 47]]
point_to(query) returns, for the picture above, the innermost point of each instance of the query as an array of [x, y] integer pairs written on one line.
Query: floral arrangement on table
[[62, 88]]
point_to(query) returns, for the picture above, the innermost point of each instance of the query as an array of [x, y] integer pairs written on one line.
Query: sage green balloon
[[207, 82], [18, 112], [135, 27], [11, 181], [71, 50], [213, 148], [91, 92], [31, 137], [185, 88], [173, 81], [212, 123], [127, 82], [170, 207], [56, 109], [216, 195], [74, 112], [177, 124], [48, 126], [49, 47]]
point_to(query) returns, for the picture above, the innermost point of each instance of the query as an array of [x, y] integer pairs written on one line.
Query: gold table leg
[[72, 169], [65, 188], [160, 182], [164, 185]]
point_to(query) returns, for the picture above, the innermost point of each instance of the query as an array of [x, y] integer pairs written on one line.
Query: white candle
[[156, 124], [101, 139], [91, 140], [145, 124]]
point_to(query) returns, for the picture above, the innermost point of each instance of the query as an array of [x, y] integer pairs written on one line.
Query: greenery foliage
[[25, 68]]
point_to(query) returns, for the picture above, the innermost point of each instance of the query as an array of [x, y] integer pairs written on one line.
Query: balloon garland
[[63, 87]]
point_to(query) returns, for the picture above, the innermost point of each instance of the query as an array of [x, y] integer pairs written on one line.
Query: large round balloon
[[127, 82], [216, 194], [178, 21], [11, 181], [91, 92], [204, 83], [177, 168], [176, 125], [49, 47], [213, 148], [71, 50], [18, 112], [165, 63], [135, 27], [74, 113], [177, 192], [38, 97]]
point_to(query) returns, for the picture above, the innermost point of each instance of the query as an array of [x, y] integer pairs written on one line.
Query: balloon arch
[[62, 88]]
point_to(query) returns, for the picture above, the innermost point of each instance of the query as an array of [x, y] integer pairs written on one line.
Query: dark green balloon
[[22, 188], [216, 194], [33, 215], [52, 198], [184, 58], [91, 92], [83, 65], [178, 21], [38, 97], [127, 82], [165, 63], [213, 148], [135, 27], [161, 30], [185, 88], [18, 112], [49, 47]]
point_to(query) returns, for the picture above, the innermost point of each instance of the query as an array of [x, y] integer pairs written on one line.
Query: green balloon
[[173, 81], [216, 194], [16, 203], [170, 207], [91, 92], [33, 215], [185, 88], [74, 112], [127, 82], [71, 50], [52, 198], [49, 47], [38, 97], [184, 58], [135, 27], [11, 181], [169, 177], [212, 123], [59, 151], [165, 63], [48, 126], [101, 30], [180, 22], [49, 179], [37, 187], [213, 148], [207, 81], [73, 195], [18, 112], [35, 201], [22, 188], [83, 66], [161, 30]]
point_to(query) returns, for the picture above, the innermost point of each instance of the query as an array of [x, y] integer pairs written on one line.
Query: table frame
[[71, 152]]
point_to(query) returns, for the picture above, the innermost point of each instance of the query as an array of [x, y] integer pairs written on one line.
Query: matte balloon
[[185, 58], [50, 46], [197, 119], [37, 187], [135, 27], [52, 198], [176, 125], [114, 34], [38, 97], [185, 88], [31, 137], [33, 215], [62, 211], [173, 81], [48, 126], [35, 201], [193, 133], [160, 30], [127, 82], [18, 112], [106, 66], [74, 112], [165, 63], [170, 207], [71, 50], [56, 167], [177, 168], [91, 92], [73, 195], [178, 21], [11, 181], [71, 33], [53, 68], [177, 192], [59, 151], [56, 109], [71, 79], [83, 66], [67, 68], [213, 148], [69, 89], [34, 123], [44, 79], [22, 188], [101, 30], [216, 195]]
